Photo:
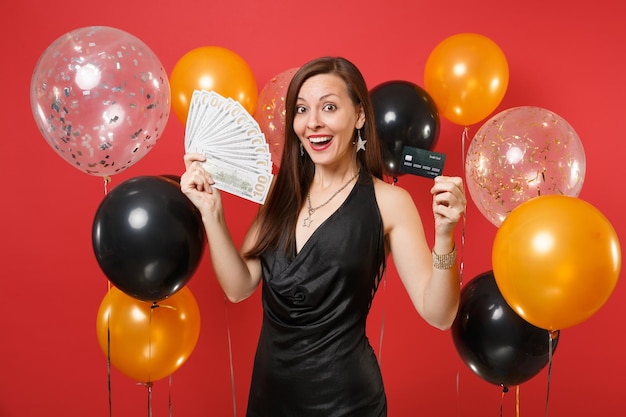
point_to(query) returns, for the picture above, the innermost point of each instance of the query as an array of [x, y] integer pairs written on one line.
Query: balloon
[[101, 99], [405, 115], [495, 342], [521, 153], [212, 68], [175, 179], [148, 238], [270, 112], [148, 341], [556, 260], [467, 75]]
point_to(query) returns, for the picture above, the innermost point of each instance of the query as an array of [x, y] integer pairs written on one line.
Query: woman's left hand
[[448, 203]]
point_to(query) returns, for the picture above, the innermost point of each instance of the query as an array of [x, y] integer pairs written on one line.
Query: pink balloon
[[270, 112], [521, 153], [101, 99]]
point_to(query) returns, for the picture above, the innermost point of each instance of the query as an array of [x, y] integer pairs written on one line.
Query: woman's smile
[[320, 142]]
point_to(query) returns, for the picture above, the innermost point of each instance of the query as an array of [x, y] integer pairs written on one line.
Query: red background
[[563, 56]]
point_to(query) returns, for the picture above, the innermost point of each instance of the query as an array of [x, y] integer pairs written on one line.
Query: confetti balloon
[[521, 153], [101, 99], [270, 112]]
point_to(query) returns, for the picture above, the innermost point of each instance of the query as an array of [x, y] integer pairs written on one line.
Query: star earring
[[360, 143]]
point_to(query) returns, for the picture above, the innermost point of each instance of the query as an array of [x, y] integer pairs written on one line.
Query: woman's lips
[[319, 143]]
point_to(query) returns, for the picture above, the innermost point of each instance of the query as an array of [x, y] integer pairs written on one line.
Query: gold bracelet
[[444, 261]]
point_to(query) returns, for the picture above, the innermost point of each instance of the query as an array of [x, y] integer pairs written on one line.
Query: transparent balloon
[[270, 112], [521, 153], [101, 99]]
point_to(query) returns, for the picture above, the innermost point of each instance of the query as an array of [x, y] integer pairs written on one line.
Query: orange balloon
[[466, 75], [556, 260], [148, 343], [216, 69]]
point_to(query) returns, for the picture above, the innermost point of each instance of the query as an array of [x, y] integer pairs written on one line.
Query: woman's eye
[[300, 109], [330, 107]]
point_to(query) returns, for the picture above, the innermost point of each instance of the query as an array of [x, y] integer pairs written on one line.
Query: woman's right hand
[[237, 276], [197, 184]]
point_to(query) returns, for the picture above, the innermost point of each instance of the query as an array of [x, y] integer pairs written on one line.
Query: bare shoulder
[[385, 190], [395, 203]]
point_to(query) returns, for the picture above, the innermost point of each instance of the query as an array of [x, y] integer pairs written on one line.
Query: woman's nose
[[314, 121]]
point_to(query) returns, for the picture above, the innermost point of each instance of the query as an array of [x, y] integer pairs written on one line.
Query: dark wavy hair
[[292, 182]]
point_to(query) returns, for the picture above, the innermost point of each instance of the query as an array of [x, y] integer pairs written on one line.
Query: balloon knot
[[155, 305]]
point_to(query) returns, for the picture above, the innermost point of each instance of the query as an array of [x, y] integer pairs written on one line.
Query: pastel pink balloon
[[270, 112], [100, 98], [521, 153]]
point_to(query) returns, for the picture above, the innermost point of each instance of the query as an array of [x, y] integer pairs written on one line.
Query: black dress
[[313, 358]]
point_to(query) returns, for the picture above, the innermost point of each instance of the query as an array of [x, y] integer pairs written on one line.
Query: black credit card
[[422, 162]]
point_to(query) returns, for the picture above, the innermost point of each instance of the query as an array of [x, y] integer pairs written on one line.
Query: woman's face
[[326, 118]]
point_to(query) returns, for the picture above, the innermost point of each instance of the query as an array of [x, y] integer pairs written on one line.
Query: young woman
[[319, 245]]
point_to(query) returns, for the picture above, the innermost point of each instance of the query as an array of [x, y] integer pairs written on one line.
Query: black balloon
[[405, 115], [494, 341], [148, 238]]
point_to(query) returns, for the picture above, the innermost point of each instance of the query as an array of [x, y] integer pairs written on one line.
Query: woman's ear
[[360, 121]]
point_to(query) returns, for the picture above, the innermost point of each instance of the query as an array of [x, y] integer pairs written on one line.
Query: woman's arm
[[433, 291], [237, 276]]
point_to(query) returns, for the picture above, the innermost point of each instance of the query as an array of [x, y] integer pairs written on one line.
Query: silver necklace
[[308, 220]]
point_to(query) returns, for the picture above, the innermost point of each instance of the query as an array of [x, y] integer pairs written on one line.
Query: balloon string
[[149, 383], [464, 137], [149, 386], [169, 396], [461, 268], [109, 355], [230, 358], [458, 391], [461, 260], [109, 364], [107, 180], [505, 389], [517, 401], [152, 307], [551, 336]]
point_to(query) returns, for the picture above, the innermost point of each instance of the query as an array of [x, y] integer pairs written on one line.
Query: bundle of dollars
[[237, 155]]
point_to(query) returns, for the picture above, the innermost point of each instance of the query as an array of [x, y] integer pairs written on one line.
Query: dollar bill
[[253, 186], [238, 156]]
